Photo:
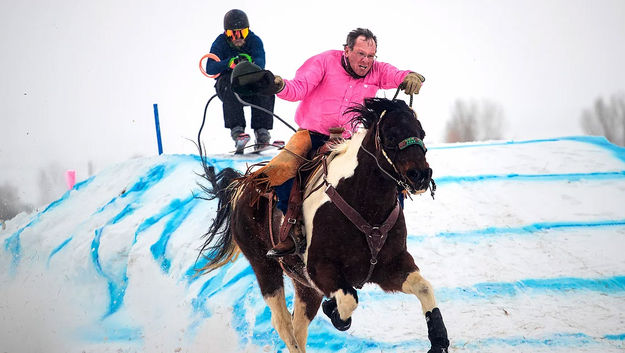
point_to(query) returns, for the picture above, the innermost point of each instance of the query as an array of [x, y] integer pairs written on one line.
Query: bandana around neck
[[349, 69]]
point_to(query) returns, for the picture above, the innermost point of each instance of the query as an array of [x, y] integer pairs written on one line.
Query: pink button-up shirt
[[326, 90]]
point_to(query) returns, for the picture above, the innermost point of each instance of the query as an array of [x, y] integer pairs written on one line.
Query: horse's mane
[[368, 114]]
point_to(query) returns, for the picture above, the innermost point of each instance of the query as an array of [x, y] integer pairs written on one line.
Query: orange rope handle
[[209, 56]]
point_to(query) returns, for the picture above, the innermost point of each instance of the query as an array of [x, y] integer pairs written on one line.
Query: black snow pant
[[233, 109]]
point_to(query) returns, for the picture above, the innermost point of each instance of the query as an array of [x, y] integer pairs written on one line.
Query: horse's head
[[397, 137]]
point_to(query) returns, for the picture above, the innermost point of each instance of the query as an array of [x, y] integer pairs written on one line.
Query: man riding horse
[[327, 85]]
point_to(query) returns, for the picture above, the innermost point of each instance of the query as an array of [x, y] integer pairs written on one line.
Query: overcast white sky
[[79, 78]]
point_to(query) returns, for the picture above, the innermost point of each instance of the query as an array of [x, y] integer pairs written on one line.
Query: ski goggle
[[237, 33]]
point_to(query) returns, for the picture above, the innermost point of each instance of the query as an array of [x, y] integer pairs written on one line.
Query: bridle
[[401, 180]]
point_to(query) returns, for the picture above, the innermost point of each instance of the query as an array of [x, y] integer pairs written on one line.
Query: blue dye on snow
[[82, 184], [116, 286], [527, 229], [617, 337], [529, 286], [216, 284], [531, 177], [153, 176], [13, 245], [617, 151], [57, 249], [491, 144], [180, 210], [599, 141]]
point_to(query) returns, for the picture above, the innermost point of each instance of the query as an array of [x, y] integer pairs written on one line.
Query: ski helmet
[[235, 19]]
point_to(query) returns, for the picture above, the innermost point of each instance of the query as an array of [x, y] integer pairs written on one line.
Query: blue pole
[[158, 130]]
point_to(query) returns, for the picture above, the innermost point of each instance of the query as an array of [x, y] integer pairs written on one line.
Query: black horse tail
[[219, 247]]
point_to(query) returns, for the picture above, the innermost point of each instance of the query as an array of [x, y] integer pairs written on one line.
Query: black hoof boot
[[437, 333], [328, 306], [331, 310]]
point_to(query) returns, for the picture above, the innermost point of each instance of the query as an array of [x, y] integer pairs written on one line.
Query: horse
[[354, 226]]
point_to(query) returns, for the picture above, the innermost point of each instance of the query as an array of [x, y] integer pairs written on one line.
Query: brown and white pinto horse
[[343, 250]]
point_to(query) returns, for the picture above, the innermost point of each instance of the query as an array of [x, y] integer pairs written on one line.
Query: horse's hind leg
[[281, 320], [271, 283], [307, 301], [437, 333], [270, 280]]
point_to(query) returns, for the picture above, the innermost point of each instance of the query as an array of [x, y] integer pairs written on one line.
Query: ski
[[259, 148]]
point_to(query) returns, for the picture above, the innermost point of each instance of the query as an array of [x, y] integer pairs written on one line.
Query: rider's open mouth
[[362, 67]]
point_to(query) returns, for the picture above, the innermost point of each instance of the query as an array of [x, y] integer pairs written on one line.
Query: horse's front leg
[[437, 333], [343, 297]]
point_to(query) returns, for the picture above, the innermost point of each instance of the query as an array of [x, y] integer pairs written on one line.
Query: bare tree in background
[[10, 203], [606, 119], [475, 121]]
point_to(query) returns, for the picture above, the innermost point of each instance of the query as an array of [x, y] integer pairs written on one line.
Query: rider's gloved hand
[[278, 84], [412, 83], [249, 79], [270, 84]]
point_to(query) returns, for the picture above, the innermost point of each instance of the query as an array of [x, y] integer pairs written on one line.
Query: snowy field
[[524, 245]]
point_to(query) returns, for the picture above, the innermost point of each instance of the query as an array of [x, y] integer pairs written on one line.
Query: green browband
[[412, 141]]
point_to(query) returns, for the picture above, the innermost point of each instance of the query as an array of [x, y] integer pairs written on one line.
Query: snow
[[523, 244]]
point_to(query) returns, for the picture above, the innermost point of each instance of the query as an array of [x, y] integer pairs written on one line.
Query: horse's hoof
[[328, 306], [340, 324], [438, 350], [331, 310]]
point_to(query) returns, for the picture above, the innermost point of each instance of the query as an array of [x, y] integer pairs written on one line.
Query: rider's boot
[[286, 214], [240, 138], [284, 246], [263, 139]]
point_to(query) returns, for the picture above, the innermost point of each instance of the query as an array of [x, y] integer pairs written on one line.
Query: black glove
[[269, 84], [248, 79]]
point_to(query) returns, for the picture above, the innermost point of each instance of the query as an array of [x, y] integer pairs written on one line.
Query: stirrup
[[298, 247]]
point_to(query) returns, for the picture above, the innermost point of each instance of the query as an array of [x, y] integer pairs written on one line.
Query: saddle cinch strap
[[375, 235]]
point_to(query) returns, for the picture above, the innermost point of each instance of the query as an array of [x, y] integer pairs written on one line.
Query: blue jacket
[[253, 47]]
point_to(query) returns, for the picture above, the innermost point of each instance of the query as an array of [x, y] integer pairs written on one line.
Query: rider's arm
[[307, 77], [219, 48], [389, 75]]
